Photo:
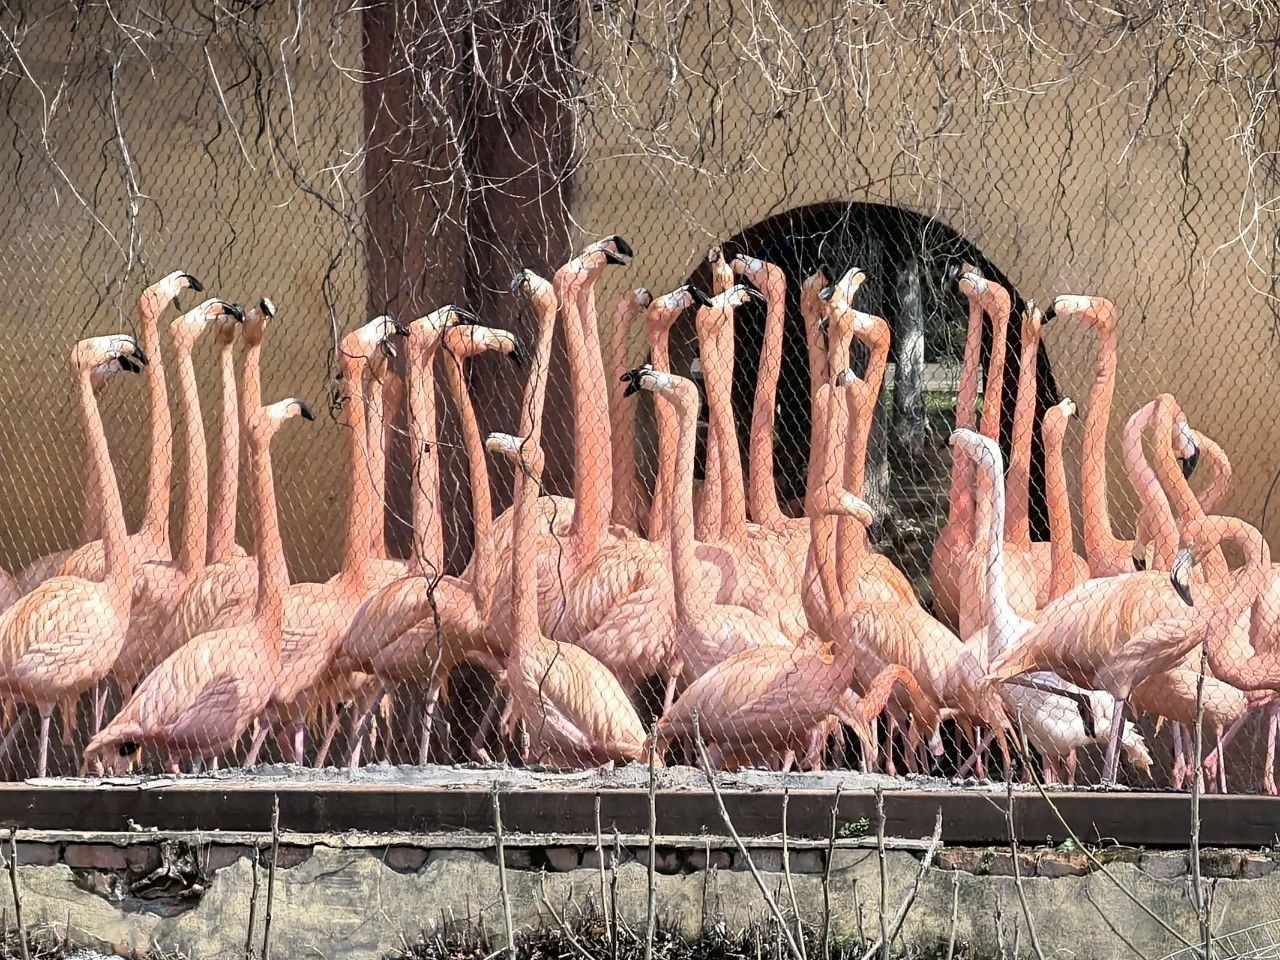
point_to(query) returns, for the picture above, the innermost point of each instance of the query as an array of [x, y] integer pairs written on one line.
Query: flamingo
[[705, 632], [1043, 707], [575, 710], [63, 636], [223, 594], [813, 312], [393, 636], [384, 393], [152, 540], [1039, 554], [1106, 554], [201, 699], [627, 501], [1064, 574]]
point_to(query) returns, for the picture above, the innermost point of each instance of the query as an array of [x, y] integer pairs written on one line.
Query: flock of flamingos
[[766, 635]]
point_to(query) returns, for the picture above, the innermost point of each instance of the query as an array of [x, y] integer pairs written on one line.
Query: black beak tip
[[305, 409], [1049, 314], [1189, 464], [951, 273], [140, 356], [699, 297], [128, 366], [233, 310], [267, 307], [615, 259], [624, 248], [519, 281], [1184, 593], [1139, 563], [193, 283], [827, 292], [517, 355], [400, 329]]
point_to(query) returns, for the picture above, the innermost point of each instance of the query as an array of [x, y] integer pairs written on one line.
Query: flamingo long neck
[[993, 392], [375, 427], [850, 536], [483, 571], [997, 608], [1186, 507], [226, 483], [155, 518], [690, 600], [960, 496], [828, 430], [1061, 545], [668, 436], [718, 371], [535, 389], [361, 509], [592, 472], [425, 497], [273, 576], [251, 379], [1220, 468], [762, 492], [195, 508], [115, 535], [1099, 541], [860, 401], [626, 485], [91, 507], [1248, 669], [1018, 521], [1155, 517], [811, 310], [524, 559]]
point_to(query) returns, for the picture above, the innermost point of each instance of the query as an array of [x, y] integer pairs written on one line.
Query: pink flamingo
[[151, 542], [628, 505], [1064, 573], [63, 637], [573, 707], [201, 699]]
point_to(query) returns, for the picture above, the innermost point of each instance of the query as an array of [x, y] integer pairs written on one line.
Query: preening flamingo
[[201, 699], [152, 539], [573, 707], [64, 635]]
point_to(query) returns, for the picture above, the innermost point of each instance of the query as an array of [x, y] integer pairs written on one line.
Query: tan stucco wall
[[1100, 215], [235, 218]]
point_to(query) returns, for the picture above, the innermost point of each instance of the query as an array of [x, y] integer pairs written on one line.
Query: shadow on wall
[[904, 255]]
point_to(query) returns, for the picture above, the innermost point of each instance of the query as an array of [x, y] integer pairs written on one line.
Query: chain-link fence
[[768, 548]]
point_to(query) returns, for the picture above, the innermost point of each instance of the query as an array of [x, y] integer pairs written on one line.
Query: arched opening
[[904, 255]]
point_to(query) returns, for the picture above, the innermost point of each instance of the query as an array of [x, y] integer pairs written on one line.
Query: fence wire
[[777, 385]]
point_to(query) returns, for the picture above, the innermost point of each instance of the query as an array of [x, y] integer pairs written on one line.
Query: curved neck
[[1182, 498], [849, 415], [835, 569], [993, 390], [1061, 541], [960, 495], [155, 518], [195, 508], [524, 559], [362, 512], [1244, 667], [1179, 503], [622, 436], [717, 370], [811, 310], [428, 526], [592, 473], [762, 492], [1220, 468], [535, 388], [91, 506], [226, 482], [482, 560], [375, 440], [1155, 518], [273, 576], [118, 559], [690, 600], [1018, 521], [1098, 536], [989, 527], [668, 437]]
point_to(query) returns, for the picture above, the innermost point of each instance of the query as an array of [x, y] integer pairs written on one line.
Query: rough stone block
[[665, 860], [563, 859], [698, 859], [807, 861], [518, 858], [95, 856], [290, 856], [1220, 863], [406, 859], [1002, 865], [1255, 866], [766, 860], [1163, 866], [223, 855], [142, 857], [1120, 854], [39, 854], [1055, 864], [968, 859]]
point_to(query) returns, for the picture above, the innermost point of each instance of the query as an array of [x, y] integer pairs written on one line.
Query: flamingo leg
[[428, 719], [1222, 764], [1113, 745], [984, 741], [1179, 757], [669, 694], [9, 737], [1269, 767], [330, 732], [299, 739], [1071, 768], [255, 747], [99, 705], [478, 748], [358, 730], [42, 764]]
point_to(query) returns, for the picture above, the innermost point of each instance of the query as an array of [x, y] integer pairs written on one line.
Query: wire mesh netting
[[766, 385]]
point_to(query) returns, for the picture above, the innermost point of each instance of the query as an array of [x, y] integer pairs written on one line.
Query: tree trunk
[[908, 377]]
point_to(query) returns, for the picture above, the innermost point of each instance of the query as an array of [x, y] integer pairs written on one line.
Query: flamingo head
[[254, 328], [187, 328], [663, 310], [680, 392], [1095, 312], [269, 418], [637, 299], [428, 330], [833, 501], [980, 449], [844, 289], [753, 268], [1187, 446], [721, 272], [375, 339], [538, 289], [812, 285], [1032, 321], [611, 251], [736, 296], [967, 278], [521, 451], [468, 340], [171, 285], [1180, 575], [116, 350]]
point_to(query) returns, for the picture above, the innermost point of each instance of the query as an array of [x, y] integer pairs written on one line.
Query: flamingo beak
[[699, 296], [267, 307], [1139, 562], [624, 248], [127, 364], [1050, 313], [233, 310], [827, 292], [516, 355], [1180, 576], [193, 283], [519, 281], [305, 409], [951, 273], [140, 356], [1189, 463]]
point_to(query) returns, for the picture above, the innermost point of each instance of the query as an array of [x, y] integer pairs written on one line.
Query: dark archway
[[904, 255]]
